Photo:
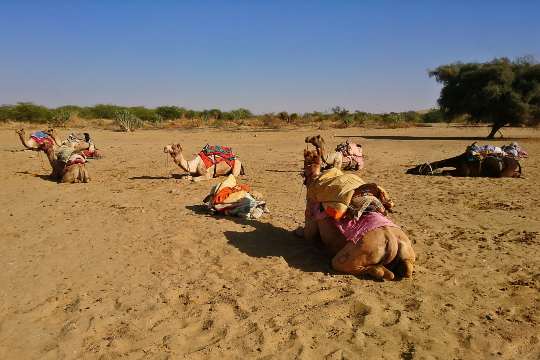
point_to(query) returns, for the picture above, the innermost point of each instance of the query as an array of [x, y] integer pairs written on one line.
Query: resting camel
[[75, 172], [196, 168], [330, 159], [32, 144], [464, 165], [379, 253]]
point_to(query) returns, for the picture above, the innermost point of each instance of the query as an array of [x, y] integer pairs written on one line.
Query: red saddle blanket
[[212, 155]]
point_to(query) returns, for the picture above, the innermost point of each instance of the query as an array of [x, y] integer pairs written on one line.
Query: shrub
[[26, 111], [347, 120], [145, 114], [241, 113], [170, 112], [105, 111], [6, 112], [126, 120], [433, 116], [60, 118]]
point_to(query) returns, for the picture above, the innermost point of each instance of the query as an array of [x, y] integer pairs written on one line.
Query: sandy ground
[[128, 266]]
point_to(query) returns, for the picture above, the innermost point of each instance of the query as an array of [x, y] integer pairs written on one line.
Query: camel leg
[[82, 146], [338, 162], [310, 231], [237, 167], [408, 268], [206, 176]]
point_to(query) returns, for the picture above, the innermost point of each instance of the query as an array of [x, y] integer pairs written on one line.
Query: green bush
[[27, 111], [104, 111], [145, 114], [170, 112], [239, 114], [433, 116], [6, 112], [60, 117]]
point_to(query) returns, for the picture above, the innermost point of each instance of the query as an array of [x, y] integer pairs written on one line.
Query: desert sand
[[129, 266]]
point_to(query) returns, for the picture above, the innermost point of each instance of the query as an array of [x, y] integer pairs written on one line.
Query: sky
[[267, 56]]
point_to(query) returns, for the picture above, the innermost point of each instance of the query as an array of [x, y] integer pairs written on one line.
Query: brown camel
[[31, 143], [379, 253], [330, 159], [196, 168], [65, 172], [465, 165]]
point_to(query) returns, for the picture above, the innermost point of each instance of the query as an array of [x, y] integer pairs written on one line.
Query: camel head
[[312, 165], [316, 141], [21, 132], [173, 149], [51, 132]]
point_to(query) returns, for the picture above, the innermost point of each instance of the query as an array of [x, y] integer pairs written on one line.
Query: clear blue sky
[[264, 55]]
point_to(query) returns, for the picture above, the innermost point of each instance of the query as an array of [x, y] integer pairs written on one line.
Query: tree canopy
[[501, 91]]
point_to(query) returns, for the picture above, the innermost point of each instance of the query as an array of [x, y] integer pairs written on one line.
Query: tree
[[501, 92], [284, 116]]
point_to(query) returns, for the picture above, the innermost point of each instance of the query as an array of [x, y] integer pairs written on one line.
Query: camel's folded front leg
[[206, 176], [237, 168]]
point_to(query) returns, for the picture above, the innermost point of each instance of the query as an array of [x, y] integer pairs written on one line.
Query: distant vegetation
[[500, 92], [131, 118]]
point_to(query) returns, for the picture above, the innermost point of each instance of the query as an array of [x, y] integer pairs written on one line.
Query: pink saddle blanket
[[354, 229]]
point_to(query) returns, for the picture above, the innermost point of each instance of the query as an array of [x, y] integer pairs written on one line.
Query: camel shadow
[[41, 176], [413, 138], [148, 177], [265, 240]]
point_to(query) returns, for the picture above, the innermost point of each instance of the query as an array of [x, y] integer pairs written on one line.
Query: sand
[[127, 266]]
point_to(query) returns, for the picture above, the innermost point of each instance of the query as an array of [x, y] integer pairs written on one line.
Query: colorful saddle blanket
[[354, 229], [212, 155], [75, 159], [353, 158], [512, 150], [41, 137]]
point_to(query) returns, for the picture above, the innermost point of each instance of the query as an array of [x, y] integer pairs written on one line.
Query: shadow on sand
[[148, 177], [414, 138], [41, 176], [266, 240]]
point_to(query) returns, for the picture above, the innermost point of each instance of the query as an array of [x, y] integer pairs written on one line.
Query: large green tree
[[501, 92]]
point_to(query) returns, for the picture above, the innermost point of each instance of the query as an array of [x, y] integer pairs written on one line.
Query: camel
[[32, 144], [330, 159], [380, 253], [347, 156], [464, 165], [65, 172], [196, 167]]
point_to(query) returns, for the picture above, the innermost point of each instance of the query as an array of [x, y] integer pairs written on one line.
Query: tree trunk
[[496, 127]]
